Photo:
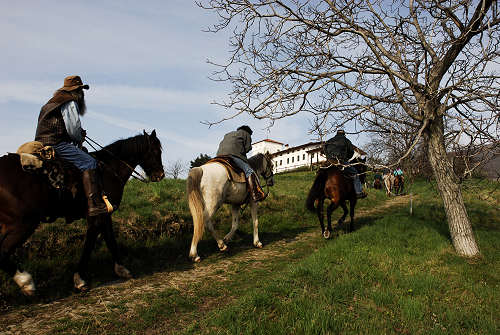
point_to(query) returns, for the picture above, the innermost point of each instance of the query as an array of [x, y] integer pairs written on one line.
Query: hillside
[[395, 273]]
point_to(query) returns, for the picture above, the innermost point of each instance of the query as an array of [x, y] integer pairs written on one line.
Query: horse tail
[[195, 201], [316, 190]]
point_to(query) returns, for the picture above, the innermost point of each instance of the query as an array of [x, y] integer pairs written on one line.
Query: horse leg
[[109, 237], [255, 219], [319, 212], [90, 239], [352, 204], [342, 218], [12, 238], [235, 211], [211, 208], [329, 210]]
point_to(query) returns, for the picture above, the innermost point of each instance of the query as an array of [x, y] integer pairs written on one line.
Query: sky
[[145, 62]]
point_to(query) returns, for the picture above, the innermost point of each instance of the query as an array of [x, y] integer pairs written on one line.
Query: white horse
[[388, 179], [208, 187]]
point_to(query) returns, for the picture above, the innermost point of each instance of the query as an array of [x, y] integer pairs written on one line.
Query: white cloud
[[119, 96]]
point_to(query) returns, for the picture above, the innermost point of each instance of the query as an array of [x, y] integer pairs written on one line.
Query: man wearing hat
[[340, 148], [237, 144], [59, 126]]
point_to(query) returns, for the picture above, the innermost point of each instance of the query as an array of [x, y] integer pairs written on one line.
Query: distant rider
[[341, 149], [59, 126], [237, 144]]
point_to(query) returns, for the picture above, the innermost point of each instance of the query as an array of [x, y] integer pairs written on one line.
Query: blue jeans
[[357, 183], [82, 160], [243, 165]]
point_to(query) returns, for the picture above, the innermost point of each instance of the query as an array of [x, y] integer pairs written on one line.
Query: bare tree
[[425, 64], [175, 169]]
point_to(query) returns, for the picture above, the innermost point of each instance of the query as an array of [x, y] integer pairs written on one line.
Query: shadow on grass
[[167, 255]]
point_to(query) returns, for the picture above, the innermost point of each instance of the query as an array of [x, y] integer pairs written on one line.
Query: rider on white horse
[[237, 144]]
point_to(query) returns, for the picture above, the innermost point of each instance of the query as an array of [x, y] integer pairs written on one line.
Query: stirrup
[[109, 207]]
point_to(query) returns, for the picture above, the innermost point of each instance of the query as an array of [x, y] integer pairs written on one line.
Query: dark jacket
[[51, 129], [236, 143], [339, 146]]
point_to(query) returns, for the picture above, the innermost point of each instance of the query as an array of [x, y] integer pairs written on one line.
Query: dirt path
[[41, 318]]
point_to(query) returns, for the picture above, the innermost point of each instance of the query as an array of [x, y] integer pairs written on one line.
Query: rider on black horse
[[340, 149], [237, 144], [59, 126]]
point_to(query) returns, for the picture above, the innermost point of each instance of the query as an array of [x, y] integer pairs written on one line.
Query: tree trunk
[[461, 232]]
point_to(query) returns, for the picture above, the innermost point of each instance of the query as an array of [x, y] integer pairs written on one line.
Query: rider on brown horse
[[340, 149], [59, 126], [237, 144]]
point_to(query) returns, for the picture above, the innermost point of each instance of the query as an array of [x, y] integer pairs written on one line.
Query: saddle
[[234, 173], [39, 159]]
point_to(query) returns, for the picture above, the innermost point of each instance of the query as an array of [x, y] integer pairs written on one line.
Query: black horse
[[26, 199], [332, 184]]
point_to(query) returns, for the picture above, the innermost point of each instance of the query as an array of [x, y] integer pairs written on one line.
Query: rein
[[266, 193], [137, 175]]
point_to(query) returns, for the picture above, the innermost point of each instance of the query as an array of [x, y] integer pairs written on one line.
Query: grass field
[[396, 273]]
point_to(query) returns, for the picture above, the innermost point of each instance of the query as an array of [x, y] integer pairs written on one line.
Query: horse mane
[[256, 160], [123, 147]]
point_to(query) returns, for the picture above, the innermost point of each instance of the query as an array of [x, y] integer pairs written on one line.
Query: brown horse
[[26, 199], [398, 185], [332, 184]]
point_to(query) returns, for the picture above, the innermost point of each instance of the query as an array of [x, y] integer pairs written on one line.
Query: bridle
[[134, 174], [268, 175]]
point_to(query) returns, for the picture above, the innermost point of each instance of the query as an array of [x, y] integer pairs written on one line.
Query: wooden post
[[411, 204]]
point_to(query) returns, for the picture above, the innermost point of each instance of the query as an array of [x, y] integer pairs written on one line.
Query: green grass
[[394, 274]]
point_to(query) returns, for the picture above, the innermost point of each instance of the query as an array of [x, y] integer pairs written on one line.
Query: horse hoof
[[223, 248], [79, 283], [258, 245], [326, 234], [25, 283], [122, 271], [28, 292], [197, 259]]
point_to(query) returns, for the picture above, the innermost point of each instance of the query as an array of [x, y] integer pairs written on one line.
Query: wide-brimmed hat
[[72, 83]]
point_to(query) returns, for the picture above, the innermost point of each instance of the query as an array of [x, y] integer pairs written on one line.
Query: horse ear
[[144, 132], [153, 133]]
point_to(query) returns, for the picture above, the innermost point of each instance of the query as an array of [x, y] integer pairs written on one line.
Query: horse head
[[267, 171], [151, 162], [263, 165]]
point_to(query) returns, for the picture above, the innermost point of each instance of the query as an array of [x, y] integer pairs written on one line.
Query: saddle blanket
[[234, 173]]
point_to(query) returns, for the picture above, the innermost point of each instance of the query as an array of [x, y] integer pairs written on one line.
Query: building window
[[288, 160], [281, 162], [292, 159], [304, 157], [298, 158]]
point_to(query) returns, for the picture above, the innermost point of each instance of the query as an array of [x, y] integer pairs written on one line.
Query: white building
[[266, 145], [286, 158]]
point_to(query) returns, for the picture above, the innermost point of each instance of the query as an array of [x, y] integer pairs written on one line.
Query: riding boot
[[358, 188], [93, 192], [255, 189]]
